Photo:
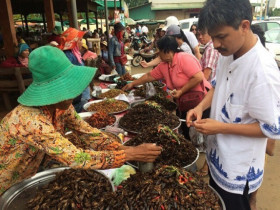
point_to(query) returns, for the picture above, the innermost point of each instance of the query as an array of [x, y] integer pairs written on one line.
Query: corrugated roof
[[171, 6]]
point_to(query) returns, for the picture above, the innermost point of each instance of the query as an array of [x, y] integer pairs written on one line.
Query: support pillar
[[26, 24], [7, 27], [48, 5], [61, 20], [72, 13], [106, 20], [96, 18], [44, 22], [87, 19]]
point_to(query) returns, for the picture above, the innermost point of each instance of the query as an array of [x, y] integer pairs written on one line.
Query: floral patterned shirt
[[28, 133]]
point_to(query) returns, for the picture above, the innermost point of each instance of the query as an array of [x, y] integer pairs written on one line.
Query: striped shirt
[[210, 59]]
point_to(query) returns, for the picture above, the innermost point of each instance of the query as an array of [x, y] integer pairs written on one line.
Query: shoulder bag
[[190, 99]]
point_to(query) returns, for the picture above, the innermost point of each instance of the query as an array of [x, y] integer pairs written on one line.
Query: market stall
[[130, 118]]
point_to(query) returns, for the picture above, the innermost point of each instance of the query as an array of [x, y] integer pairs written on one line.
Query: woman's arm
[[145, 78], [92, 136], [194, 81], [152, 63], [197, 53]]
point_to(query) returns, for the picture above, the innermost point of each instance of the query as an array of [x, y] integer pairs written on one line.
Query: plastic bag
[[198, 139], [121, 174], [150, 90]]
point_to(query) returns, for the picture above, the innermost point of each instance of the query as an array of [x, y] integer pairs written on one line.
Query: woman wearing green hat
[[36, 126]]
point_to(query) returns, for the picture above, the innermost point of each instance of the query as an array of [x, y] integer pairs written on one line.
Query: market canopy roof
[[90, 21], [59, 6], [150, 22]]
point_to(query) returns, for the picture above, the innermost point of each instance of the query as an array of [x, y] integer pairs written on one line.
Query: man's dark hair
[[167, 44], [217, 13], [259, 31]]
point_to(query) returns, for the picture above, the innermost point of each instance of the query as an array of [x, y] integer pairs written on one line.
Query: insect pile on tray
[[126, 77], [166, 188], [141, 91], [72, 189], [108, 106], [100, 120], [176, 151], [111, 93], [148, 114], [163, 101]]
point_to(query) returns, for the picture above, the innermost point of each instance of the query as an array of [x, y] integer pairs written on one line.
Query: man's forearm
[[251, 130]]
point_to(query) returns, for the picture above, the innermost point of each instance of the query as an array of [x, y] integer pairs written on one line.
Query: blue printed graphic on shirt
[[251, 175], [225, 112], [237, 120], [216, 162], [272, 129]]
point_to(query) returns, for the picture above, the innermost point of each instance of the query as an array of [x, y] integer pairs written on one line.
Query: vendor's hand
[[128, 86], [208, 126], [176, 93], [113, 67], [144, 64], [146, 152], [193, 114]]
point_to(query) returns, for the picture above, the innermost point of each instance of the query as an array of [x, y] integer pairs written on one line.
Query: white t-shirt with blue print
[[247, 90]]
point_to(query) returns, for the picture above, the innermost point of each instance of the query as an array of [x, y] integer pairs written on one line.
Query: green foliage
[[135, 3], [275, 12]]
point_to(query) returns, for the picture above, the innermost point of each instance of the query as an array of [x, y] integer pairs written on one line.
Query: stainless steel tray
[[188, 167], [222, 203], [137, 132], [96, 101], [16, 197]]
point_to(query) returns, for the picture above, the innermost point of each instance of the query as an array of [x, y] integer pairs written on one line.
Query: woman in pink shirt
[[181, 71]]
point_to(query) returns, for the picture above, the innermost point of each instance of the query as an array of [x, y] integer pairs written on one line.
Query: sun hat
[[70, 37], [169, 21], [84, 44], [104, 43], [23, 47], [173, 30], [55, 78], [161, 26]]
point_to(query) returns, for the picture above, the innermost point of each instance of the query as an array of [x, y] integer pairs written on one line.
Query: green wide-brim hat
[[55, 78]]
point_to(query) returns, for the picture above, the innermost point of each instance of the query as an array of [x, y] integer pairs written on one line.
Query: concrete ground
[[268, 197]]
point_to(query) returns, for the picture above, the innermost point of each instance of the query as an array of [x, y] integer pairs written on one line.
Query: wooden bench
[[13, 80]]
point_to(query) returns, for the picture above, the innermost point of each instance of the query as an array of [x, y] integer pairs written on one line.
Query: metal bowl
[[137, 132], [222, 203], [114, 136], [16, 197], [189, 167], [133, 104], [86, 115], [86, 106]]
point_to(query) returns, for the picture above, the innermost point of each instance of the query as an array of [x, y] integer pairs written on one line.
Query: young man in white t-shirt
[[245, 103]]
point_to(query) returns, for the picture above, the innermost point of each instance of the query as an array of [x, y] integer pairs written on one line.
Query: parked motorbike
[[138, 43], [142, 55]]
